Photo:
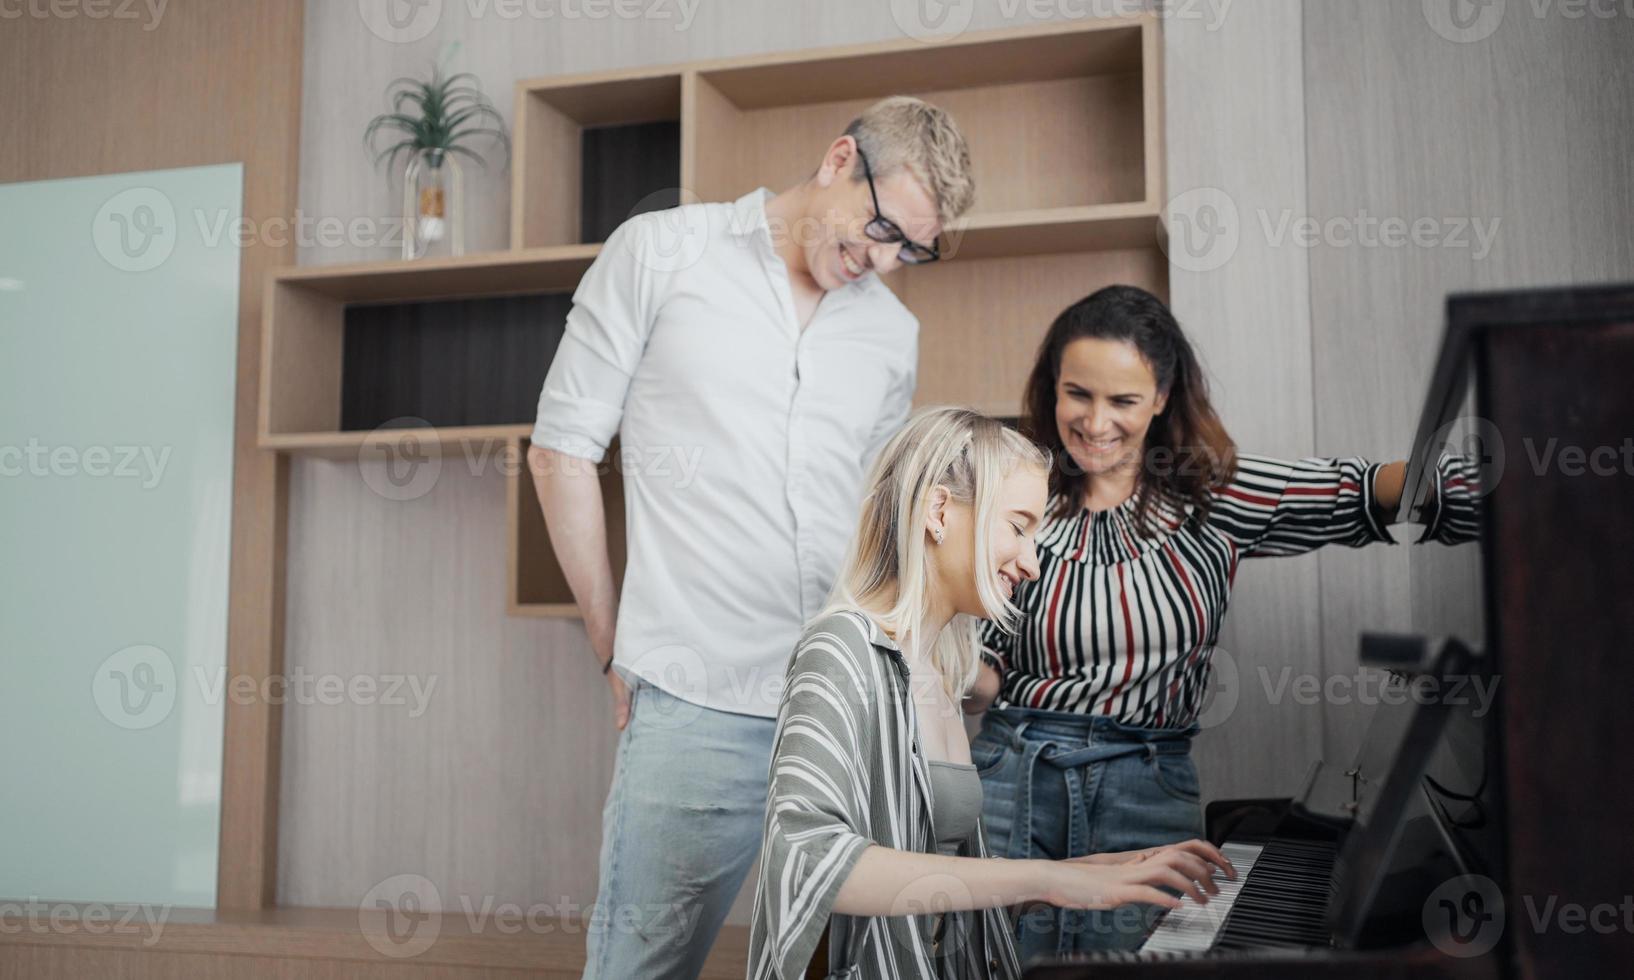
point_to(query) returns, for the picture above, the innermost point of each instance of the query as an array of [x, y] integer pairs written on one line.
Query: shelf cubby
[[455, 342], [536, 586], [591, 150], [1036, 106]]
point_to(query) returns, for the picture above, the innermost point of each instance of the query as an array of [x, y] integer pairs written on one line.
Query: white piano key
[[1193, 928]]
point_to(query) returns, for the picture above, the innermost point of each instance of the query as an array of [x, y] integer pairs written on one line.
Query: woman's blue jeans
[[1058, 785]]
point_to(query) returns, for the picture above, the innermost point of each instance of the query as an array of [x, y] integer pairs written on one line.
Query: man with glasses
[[752, 363]]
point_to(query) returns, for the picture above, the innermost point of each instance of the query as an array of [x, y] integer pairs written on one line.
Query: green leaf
[[462, 150]]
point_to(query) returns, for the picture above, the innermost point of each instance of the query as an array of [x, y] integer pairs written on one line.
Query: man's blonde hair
[[888, 563], [905, 132]]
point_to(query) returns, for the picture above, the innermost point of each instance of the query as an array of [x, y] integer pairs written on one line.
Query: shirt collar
[[750, 215], [877, 635], [749, 222]]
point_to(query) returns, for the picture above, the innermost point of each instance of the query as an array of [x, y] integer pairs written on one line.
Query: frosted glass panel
[[118, 335]]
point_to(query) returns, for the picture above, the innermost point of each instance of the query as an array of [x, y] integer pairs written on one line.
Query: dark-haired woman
[[1095, 698]]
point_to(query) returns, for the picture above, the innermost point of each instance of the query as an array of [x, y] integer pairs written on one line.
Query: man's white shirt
[[743, 438]]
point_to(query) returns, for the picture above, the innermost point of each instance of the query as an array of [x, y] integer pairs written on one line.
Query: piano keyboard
[[1279, 901], [1192, 928]]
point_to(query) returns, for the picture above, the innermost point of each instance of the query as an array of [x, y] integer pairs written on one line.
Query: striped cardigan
[[1124, 625], [847, 771]]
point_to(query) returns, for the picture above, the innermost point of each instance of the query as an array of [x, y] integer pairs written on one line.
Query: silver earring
[[938, 533]]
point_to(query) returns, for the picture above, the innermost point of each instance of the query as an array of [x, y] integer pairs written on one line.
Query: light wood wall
[[203, 82]]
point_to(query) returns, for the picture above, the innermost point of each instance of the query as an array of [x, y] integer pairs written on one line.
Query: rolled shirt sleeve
[[1453, 511], [582, 400]]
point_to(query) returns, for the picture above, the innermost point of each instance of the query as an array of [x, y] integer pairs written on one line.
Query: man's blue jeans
[[680, 830], [1058, 785]]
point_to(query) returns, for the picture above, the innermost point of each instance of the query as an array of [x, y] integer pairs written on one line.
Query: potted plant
[[444, 115]]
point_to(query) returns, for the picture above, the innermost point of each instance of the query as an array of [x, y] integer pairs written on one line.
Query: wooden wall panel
[[1066, 166], [204, 82], [1236, 134], [1522, 136], [978, 335], [489, 782]]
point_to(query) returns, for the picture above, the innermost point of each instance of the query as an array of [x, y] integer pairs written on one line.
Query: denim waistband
[[1038, 724]]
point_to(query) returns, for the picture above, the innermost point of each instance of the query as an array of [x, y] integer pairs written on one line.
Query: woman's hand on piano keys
[[1103, 881], [1203, 849]]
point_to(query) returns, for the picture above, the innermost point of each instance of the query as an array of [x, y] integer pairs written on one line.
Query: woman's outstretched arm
[[1387, 484]]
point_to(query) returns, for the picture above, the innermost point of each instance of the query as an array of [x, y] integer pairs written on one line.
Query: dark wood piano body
[[1557, 596]]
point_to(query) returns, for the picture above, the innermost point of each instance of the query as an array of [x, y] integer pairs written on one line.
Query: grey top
[[847, 772], [956, 801]]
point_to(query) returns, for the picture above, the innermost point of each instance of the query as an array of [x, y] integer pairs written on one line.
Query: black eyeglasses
[[885, 231]]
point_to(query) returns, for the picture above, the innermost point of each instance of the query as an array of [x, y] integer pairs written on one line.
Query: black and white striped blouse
[[847, 771], [1124, 625]]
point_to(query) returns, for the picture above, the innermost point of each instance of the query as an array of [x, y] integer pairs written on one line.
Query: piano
[[1492, 793]]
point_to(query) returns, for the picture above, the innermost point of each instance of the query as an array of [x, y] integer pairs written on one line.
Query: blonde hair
[[970, 455], [905, 132]]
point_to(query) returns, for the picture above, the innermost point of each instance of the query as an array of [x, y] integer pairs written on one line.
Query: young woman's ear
[[1160, 403], [936, 513]]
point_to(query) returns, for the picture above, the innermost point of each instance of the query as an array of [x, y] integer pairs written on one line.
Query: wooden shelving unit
[[1065, 127], [305, 312]]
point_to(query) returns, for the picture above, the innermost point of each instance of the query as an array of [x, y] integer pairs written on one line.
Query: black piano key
[[1283, 904]]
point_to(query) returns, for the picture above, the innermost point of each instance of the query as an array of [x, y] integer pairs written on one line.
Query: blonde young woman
[[873, 809]]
